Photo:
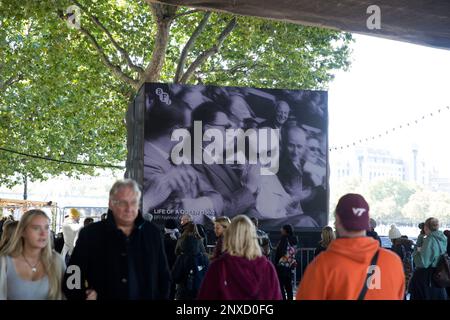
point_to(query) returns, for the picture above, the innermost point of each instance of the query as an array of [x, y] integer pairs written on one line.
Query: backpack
[[264, 242], [407, 261], [288, 260], [441, 275]]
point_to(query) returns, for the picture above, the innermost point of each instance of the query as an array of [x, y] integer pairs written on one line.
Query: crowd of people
[[125, 256]]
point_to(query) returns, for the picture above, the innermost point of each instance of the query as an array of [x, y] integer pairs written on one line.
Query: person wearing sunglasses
[[239, 194], [169, 188]]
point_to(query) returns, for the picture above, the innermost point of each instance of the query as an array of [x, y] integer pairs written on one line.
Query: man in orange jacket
[[350, 269]]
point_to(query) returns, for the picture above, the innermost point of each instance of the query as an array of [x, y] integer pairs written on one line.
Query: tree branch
[[186, 13], [10, 81], [116, 70], [243, 67], [201, 26], [164, 16], [211, 51], [121, 50]]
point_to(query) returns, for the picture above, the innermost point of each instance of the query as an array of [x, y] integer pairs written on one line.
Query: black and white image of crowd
[[296, 195]]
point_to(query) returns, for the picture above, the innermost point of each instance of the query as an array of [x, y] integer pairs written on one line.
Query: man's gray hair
[[125, 183], [188, 217]]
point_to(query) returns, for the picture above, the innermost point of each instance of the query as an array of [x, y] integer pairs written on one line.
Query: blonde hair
[[49, 258], [432, 224], [223, 221], [240, 238], [327, 236], [8, 230]]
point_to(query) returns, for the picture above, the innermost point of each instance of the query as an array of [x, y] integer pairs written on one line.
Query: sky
[[389, 84]]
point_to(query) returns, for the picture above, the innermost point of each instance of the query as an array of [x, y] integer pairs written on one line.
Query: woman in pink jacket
[[242, 272]]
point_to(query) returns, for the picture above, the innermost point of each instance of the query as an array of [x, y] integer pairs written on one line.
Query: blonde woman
[[326, 237], [29, 268], [242, 272], [220, 225]]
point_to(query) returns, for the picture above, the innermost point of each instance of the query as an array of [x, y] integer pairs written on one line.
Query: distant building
[[439, 183], [370, 164]]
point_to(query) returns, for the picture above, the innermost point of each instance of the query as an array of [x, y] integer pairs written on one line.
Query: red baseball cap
[[353, 212]]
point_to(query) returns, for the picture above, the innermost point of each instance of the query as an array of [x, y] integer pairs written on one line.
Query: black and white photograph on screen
[[197, 162]]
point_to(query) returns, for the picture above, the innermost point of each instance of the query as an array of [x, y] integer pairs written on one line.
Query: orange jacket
[[339, 272]]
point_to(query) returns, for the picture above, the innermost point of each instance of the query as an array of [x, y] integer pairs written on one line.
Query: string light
[[431, 114]]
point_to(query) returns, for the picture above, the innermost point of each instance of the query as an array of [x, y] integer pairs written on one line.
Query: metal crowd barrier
[[304, 256]]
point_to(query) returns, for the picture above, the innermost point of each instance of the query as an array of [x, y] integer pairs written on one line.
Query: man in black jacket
[[121, 257], [371, 232]]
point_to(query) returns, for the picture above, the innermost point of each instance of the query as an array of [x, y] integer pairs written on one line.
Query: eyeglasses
[[314, 148], [124, 204]]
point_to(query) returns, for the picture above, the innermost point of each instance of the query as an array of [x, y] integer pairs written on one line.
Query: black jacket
[[190, 253], [104, 254], [282, 246], [318, 250], [374, 235], [169, 246]]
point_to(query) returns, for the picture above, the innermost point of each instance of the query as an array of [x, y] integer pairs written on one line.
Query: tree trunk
[[164, 15]]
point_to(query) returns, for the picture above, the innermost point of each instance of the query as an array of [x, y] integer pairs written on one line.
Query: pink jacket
[[237, 278]]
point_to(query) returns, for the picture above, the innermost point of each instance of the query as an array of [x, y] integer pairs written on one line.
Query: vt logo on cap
[[358, 211], [353, 212]]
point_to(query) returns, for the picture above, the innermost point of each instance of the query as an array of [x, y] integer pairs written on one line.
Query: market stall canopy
[[12, 203], [424, 22]]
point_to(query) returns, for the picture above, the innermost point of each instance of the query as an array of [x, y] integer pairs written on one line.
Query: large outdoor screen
[[223, 151]]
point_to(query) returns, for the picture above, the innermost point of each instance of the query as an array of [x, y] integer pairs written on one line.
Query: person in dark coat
[[447, 234], [285, 273], [191, 264], [185, 218], [59, 242], [121, 257], [171, 236], [403, 247], [372, 233]]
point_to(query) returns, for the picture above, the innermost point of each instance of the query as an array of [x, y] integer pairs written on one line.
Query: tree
[[350, 185], [418, 207], [440, 207], [386, 210], [64, 91], [423, 205], [398, 190]]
